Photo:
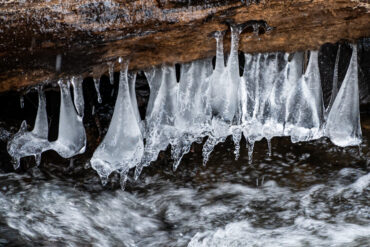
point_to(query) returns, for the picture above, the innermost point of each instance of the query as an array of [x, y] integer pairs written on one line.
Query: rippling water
[[306, 194]]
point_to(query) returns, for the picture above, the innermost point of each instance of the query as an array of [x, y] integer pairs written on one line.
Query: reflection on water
[[306, 194]]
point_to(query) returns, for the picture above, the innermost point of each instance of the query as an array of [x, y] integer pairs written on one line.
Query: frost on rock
[[224, 96], [31, 143], [122, 147], [160, 113], [71, 132], [305, 109], [193, 115], [343, 124]]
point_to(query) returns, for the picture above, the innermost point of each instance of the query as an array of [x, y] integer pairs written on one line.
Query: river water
[[305, 194]]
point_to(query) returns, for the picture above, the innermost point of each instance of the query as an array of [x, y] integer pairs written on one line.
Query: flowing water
[[305, 194]]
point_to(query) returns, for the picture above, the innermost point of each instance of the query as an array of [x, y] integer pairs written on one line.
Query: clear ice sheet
[[343, 124], [122, 147]]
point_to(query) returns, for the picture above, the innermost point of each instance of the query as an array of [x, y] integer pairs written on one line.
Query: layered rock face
[[41, 41]]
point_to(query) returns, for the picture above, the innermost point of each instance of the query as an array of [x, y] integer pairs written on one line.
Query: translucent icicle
[[343, 124], [193, 114], [131, 84], [71, 132], [160, 114], [21, 101], [97, 88], [122, 146], [305, 105], [111, 72], [31, 143], [224, 89], [269, 147], [78, 96], [334, 90]]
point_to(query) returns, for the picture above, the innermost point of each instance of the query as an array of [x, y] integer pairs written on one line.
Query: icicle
[[224, 86], [21, 101], [97, 88], [78, 96], [160, 114], [131, 83], [111, 72], [193, 114], [269, 147], [71, 132], [305, 105], [31, 143], [343, 124], [122, 147], [334, 90]]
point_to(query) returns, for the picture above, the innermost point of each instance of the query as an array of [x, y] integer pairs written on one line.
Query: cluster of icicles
[[274, 97]]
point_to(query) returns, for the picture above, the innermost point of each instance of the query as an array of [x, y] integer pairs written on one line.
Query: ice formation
[[343, 124], [160, 113], [97, 89], [123, 146], [274, 97], [31, 143], [71, 132]]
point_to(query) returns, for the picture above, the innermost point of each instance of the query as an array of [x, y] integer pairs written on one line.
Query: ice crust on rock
[[343, 124], [122, 147]]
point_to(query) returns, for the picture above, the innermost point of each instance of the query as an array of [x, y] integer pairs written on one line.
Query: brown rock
[[87, 34]]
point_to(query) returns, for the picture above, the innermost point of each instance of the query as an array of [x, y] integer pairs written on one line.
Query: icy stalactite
[[78, 96], [343, 124], [97, 89], [224, 91], [21, 101], [305, 106], [122, 147], [111, 72], [160, 114], [31, 143], [335, 88], [131, 84], [193, 115], [71, 132]]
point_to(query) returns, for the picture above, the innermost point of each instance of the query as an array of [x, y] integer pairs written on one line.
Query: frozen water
[[160, 114], [343, 124], [305, 108], [111, 72], [71, 132], [122, 147], [335, 88], [78, 96], [193, 116], [131, 84], [97, 89], [31, 143], [224, 89]]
